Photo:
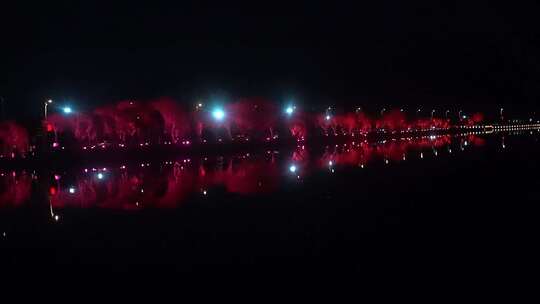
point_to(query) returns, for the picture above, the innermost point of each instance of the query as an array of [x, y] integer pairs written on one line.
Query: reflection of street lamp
[[45, 105], [292, 168], [53, 215]]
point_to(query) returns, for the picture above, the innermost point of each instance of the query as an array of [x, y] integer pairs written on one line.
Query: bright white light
[[330, 163], [292, 168], [218, 114], [67, 110], [71, 190], [327, 117], [289, 110], [56, 218], [49, 101], [100, 176]]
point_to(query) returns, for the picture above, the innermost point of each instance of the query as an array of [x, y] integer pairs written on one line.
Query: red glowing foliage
[[298, 124], [13, 138], [477, 117], [246, 177], [349, 122], [253, 116], [474, 119], [177, 120], [432, 123], [326, 122], [476, 141], [392, 120], [164, 120], [393, 151], [15, 190], [364, 124]]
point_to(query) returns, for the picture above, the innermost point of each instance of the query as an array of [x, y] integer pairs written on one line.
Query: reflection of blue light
[[292, 168], [100, 175], [218, 114], [67, 110]]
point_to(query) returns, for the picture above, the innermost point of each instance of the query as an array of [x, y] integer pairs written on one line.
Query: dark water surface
[[461, 204]]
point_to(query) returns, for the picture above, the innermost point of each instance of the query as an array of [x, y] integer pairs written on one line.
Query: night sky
[[478, 56]]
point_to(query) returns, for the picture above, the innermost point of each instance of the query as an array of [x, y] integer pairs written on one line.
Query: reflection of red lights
[[244, 174]]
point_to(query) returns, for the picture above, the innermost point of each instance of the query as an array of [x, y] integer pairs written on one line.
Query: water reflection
[[170, 183]]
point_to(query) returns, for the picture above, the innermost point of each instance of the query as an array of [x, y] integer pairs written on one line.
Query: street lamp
[[432, 112], [290, 110], [45, 105], [218, 114]]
